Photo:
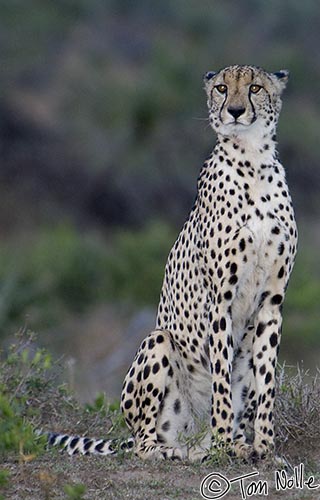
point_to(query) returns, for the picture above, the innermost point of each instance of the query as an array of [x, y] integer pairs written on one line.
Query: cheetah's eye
[[254, 89], [221, 88]]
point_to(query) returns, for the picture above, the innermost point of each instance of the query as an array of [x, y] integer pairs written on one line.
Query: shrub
[[61, 272]]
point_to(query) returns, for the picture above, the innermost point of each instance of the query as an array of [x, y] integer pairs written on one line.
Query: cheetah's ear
[[282, 77], [209, 75]]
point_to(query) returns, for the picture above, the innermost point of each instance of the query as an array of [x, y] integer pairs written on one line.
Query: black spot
[[165, 361], [233, 268], [218, 367], [155, 368], [223, 324], [177, 406], [276, 299], [242, 245], [281, 272], [228, 295], [146, 372], [233, 279], [221, 388], [140, 359], [260, 329], [281, 249], [130, 387], [268, 378], [262, 369], [273, 340], [160, 339], [128, 404], [151, 343], [165, 426]]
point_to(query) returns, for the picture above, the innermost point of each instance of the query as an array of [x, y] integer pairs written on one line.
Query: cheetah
[[209, 366]]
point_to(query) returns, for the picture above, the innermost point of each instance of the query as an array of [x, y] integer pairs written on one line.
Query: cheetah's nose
[[236, 112]]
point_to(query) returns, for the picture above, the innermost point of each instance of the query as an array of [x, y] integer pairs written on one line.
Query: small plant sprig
[[75, 491], [22, 379]]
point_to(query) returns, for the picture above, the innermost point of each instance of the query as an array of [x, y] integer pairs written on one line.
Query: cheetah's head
[[243, 99]]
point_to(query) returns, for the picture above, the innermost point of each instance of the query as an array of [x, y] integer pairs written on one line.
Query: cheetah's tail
[[89, 446]]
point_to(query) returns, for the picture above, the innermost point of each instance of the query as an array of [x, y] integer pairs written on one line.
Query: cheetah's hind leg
[[152, 399]]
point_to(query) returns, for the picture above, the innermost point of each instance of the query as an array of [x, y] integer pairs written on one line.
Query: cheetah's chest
[[258, 242]]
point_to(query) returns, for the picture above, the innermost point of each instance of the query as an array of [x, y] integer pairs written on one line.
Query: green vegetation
[[62, 272], [4, 480], [301, 313], [104, 127], [112, 124], [31, 398], [75, 492], [22, 379]]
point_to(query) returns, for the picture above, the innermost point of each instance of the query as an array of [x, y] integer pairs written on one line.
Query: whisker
[[201, 119]]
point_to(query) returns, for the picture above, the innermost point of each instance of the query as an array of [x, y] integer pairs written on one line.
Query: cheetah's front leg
[[221, 356], [265, 351]]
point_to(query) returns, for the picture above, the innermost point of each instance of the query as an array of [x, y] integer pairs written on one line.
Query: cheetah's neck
[[249, 147]]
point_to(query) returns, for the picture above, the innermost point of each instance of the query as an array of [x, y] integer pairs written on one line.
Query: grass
[[297, 414], [31, 398]]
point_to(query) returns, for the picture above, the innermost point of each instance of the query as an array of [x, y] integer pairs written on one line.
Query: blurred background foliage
[[103, 129]]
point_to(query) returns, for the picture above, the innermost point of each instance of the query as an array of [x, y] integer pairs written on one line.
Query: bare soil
[[128, 477]]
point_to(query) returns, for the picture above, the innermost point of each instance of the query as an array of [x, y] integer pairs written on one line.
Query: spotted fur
[[211, 359]]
